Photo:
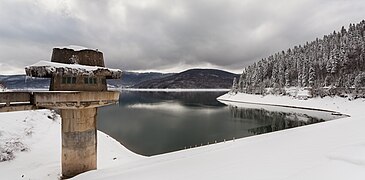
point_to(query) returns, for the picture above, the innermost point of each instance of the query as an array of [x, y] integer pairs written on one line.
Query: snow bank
[[35, 145], [300, 93], [30, 144], [326, 103]]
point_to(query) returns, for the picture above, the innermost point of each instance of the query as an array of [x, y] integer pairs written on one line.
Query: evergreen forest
[[333, 65]]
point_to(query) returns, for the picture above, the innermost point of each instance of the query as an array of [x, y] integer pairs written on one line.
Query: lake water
[[150, 123]]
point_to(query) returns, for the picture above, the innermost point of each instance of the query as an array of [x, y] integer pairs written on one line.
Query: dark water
[[151, 123]]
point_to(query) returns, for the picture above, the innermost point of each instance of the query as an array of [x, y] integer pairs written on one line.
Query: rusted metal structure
[[78, 87]]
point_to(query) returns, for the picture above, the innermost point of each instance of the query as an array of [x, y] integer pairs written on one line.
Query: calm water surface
[[151, 123]]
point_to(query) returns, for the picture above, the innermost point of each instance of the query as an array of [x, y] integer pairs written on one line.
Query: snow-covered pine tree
[[300, 72], [241, 81], [360, 80], [281, 73], [274, 75], [328, 79], [234, 86], [305, 74], [335, 61], [312, 75], [287, 78]]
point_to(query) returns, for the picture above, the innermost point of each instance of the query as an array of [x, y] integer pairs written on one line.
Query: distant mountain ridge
[[23, 82], [128, 79], [131, 78], [192, 79]]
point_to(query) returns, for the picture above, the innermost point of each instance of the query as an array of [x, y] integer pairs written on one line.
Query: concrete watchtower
[[77, 70], [81, 82]]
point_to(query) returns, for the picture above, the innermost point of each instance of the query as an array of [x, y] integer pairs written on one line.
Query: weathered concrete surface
[[15, 101], [12, 97], [85, 57], [75, 99], [20, 101], [17, 107], [79, 141]]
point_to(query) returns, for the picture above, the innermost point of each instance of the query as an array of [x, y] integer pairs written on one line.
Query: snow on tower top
[[49, 69], [73, 61], [74, 47]]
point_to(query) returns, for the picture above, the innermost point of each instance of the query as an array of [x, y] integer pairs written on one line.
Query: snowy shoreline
[[287, 101], [266, 104], [330, 150]]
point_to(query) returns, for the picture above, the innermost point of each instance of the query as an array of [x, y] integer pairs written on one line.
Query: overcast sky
[[167, 35]]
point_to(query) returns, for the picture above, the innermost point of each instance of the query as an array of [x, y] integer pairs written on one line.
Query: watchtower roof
[[73, 61]]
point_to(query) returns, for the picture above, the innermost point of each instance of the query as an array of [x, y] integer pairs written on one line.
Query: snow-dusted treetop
[[49, 69], [74, 47]]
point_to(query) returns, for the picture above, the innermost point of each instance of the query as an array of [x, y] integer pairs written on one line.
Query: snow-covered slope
[[33, 139], [30, 143]]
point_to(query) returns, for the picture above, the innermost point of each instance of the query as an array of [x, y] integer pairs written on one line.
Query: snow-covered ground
[[30, 146], [330, 150]]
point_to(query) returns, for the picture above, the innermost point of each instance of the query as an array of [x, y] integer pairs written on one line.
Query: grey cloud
[[158, 34]]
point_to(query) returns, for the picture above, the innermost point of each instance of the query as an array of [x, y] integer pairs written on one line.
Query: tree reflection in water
[[274, 120]]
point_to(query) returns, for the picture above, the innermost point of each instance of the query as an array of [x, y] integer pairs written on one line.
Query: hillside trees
[[336, 62]]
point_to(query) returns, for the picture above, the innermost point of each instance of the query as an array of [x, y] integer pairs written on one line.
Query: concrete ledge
[[17, 107], [11, 97], [75, 99], [18, 101]]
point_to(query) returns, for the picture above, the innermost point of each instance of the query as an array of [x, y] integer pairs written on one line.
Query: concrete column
[[78, 141]]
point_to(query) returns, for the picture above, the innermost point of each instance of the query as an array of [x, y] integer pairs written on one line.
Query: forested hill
[[131, 78], [336, 62], [192, 79]]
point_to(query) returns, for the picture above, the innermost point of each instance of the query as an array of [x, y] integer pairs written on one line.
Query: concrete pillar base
[[79, 141]]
